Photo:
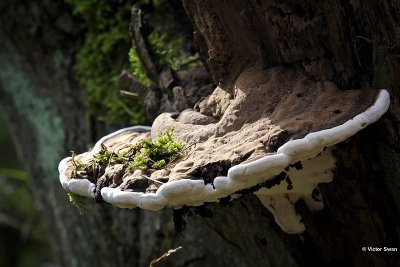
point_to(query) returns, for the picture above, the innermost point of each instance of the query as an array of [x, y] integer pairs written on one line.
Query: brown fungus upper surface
[[265, 109]]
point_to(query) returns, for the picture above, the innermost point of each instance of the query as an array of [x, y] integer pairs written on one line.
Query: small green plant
[[78, 201], [106, 157], [78, 166], [146, 154], [155, 155]]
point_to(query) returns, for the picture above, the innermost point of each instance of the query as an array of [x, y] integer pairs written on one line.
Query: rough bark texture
[[355, 44]]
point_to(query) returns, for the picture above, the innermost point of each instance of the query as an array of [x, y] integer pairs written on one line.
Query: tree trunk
[[352, 43], [355, 45]]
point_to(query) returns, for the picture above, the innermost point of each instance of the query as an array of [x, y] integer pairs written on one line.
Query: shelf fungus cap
[[271, 136]]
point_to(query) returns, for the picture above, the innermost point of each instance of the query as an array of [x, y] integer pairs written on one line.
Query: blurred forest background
[[23, 240], [104, 48]]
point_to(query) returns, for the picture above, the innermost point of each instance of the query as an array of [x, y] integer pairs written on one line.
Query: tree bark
[[355, 44]]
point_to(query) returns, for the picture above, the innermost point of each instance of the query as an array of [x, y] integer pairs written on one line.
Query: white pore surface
[[280, 200], [195, 192]]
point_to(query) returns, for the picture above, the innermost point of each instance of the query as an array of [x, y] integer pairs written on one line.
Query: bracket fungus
[[270, 135]]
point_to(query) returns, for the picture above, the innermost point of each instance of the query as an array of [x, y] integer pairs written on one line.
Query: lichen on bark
[[36, 109]]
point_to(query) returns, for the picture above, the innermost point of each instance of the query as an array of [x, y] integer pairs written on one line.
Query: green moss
[[103, 57], [106, 157], [78, 201], [155, 155], [137, 69], [171, 50], [167, 51], [167, 46], [104, 54], [145, 155], [78, 166]]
